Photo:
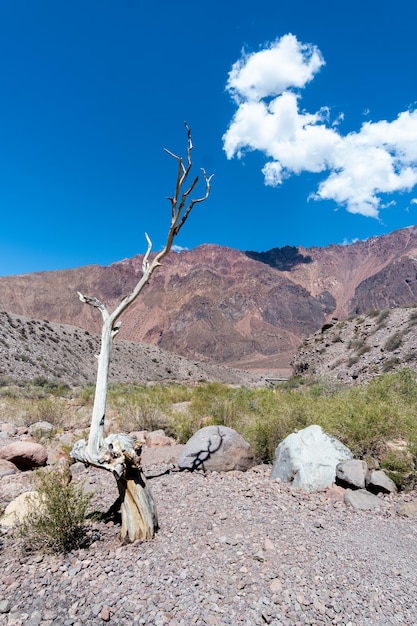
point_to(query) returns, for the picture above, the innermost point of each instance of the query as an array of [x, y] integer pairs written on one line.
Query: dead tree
[[121, 453]]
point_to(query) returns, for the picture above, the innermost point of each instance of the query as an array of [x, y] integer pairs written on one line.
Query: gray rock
[[361, 499], [8, 430], [7, 468], [4, 606], [378, 482], [351, 473], [217, 448], [408, 509], [41, 429], [308, 459]]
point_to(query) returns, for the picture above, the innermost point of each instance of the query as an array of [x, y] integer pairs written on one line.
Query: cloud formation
[[380, 158]]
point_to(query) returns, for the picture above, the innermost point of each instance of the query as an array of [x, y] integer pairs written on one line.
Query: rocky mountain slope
[[37, 348], [248, 310], [361, 347]]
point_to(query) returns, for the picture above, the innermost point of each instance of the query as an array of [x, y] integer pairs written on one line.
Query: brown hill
[[249, 310], [31, 348]]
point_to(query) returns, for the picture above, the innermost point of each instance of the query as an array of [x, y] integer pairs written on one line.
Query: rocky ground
[[233, 548]]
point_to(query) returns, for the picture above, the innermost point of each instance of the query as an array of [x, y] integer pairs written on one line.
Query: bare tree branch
[[119, 453]]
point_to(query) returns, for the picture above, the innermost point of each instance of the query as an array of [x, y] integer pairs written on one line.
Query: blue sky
[[306, 115]]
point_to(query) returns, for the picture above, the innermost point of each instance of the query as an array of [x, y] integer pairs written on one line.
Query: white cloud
[[284, 63], [176, 248], [380, 158]]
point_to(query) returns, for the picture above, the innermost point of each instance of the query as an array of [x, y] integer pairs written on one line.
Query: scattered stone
[[281, 556], [217, 448], [308, 459], [158, 438], [378, 482], [275, 585], [408, 509], [4, 606], [335, 493], [361, 499], [8, 430], [105, 613], [26, 455], [7, 468], [351, 473], [41, 429]]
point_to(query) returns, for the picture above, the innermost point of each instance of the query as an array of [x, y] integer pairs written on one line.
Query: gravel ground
[[233, 548]]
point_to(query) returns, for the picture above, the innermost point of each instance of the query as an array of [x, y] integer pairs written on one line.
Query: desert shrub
[[355, 344], [390, 364], [365, 418], [382, 318], [400, 467], [352, 360], [183, 425], [393, 342], [279, 414], [397, 461], [410, 356], [140, 414], [50, 410], [86, 395], [51, 386], [412, 320], [57, 523]]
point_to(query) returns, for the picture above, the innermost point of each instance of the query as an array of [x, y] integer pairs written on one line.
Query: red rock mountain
[[246, 309]]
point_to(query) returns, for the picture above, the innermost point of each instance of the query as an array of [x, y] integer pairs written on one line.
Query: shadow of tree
[[200, 457]]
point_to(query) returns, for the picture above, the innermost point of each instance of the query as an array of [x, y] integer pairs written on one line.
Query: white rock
[[308, 459], [18, 508]]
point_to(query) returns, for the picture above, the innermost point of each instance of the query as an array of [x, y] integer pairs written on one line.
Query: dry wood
[[120, 454]]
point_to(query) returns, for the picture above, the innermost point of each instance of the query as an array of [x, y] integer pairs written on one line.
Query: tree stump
[[121, 455]]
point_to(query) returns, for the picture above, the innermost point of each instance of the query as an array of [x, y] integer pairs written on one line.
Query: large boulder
[[218, 449], [26, 455], [17, 510], [308, 459]]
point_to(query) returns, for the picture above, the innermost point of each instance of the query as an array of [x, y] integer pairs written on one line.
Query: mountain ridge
[[222, 305]]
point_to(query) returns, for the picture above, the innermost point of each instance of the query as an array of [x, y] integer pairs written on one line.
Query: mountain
[[361, 347], [242, 309], [31, 348]]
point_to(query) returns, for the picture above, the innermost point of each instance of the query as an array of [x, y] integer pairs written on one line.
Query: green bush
[[57, 523], [50, 410]]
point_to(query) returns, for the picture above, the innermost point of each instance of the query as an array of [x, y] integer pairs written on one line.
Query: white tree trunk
[[121, 454]]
